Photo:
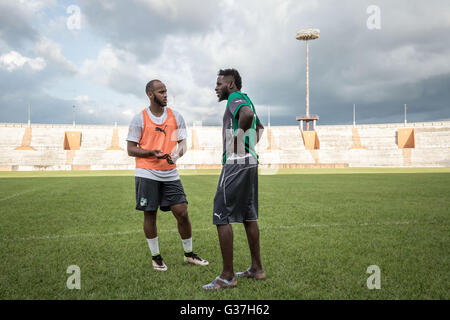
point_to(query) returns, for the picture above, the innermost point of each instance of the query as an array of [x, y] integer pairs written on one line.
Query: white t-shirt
[[135, 133]]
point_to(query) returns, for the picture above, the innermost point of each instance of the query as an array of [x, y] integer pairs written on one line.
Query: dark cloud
[[379, 70], [186, 42], [142, 26], [15, 27]]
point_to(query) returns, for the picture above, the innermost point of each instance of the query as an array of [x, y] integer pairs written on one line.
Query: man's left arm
[[180, 136], [181, 150], [245, 117]]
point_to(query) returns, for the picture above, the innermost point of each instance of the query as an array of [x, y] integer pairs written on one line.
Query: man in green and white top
[[231, 130], [236, 199]]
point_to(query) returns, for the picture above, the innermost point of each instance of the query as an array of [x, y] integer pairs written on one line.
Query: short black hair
[[150, 85], [234, 73]]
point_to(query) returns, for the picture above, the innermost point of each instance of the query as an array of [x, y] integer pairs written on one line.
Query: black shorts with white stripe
[[236, 197]]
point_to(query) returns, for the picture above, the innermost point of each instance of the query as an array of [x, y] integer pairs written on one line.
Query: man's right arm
[[135, 151], [134, 135]]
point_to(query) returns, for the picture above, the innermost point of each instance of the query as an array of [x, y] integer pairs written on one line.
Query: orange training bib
[[158, 137]]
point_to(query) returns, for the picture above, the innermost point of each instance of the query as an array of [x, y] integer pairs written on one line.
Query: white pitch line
[[304, 225], [18, 194], [362, 224], [28, 191], [68, 236]]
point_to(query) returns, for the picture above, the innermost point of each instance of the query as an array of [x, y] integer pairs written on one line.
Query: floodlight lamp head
[[308, 34]]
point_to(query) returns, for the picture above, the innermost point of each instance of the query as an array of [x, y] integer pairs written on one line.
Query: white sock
[[187, 244], [154, 246]]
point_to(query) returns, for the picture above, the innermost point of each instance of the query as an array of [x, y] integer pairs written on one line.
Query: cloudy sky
[[98, 56]]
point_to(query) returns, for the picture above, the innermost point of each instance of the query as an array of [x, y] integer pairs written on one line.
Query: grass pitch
[[319, 234]]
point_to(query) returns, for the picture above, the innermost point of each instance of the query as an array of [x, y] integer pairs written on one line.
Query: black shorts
[[152, 193], [236, 198]]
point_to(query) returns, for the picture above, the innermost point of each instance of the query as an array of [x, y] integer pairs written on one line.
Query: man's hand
[[172, 158], [156, 153], [135, 151]]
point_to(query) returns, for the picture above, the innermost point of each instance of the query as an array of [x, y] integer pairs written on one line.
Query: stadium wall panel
[[104, 147]]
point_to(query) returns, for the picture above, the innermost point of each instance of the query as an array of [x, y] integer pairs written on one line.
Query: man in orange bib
[[157, 139]]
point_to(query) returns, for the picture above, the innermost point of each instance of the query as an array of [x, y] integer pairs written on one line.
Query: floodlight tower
[[306, 35]]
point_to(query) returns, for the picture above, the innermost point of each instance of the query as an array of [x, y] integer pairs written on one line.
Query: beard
[[160, 102], [224, 94]]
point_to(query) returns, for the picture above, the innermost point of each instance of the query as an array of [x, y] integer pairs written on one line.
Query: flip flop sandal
[[215, 285], [260, 275]]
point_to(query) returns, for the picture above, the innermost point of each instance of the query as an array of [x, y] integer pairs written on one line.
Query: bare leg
[[150, 224], [252, 230], [184, 224], [225, 233]]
